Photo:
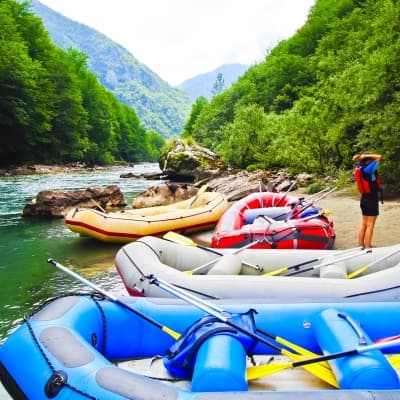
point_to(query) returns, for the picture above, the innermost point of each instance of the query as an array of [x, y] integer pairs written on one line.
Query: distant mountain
[[159, 106], [202, 85]]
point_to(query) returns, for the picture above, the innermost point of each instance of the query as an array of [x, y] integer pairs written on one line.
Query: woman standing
[[369, 186]]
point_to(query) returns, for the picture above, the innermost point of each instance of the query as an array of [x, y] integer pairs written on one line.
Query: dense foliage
[[330, 91], [52, 108], [159, 106]]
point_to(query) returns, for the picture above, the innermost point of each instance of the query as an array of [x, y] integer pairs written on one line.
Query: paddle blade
[[177, 238], [394, 361], [317, 369], [259, 371], [299, 349]]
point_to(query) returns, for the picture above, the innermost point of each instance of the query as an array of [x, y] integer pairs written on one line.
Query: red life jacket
[[363, 184]]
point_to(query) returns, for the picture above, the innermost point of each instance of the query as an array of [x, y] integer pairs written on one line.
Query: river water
[[26, 278]]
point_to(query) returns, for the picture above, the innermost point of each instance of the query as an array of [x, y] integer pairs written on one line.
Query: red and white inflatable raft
[[274, 220]]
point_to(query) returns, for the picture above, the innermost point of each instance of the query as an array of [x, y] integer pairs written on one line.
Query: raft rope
[[96, 297]]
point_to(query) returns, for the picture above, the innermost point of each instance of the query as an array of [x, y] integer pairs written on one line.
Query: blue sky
[[179, 39]]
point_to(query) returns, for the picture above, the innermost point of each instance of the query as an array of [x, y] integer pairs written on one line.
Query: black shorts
[[369, 204]]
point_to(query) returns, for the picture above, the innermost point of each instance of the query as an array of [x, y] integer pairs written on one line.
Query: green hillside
[[159, 106], [53, 109], [328, 92]]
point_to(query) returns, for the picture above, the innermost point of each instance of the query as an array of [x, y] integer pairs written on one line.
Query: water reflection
[[26, 278]]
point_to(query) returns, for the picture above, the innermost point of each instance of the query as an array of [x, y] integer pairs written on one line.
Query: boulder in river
[[57, 203]]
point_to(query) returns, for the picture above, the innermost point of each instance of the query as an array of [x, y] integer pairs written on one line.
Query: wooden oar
[[199, 192], [177, 238], [365, 267], [269, 369], [113, 298], [316, 369], [296, 267]]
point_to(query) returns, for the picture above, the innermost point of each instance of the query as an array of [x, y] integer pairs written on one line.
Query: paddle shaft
[[210, 306], [352, 352], [286, 193], [330, 262], [113, 298], [297, 266], [360, 270], [177, 238], [308, 205], [212, 310], [257, 267]]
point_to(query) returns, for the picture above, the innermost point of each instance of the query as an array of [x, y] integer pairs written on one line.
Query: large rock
[[57, 203], [187, 162], [164, 194]]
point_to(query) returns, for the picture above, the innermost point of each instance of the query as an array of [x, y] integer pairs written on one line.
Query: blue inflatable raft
[[79, 346]]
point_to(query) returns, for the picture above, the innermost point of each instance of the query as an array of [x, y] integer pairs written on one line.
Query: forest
[[328, 92], [53, 109]]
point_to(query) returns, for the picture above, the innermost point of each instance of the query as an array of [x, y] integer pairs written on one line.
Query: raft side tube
[[370, 370]]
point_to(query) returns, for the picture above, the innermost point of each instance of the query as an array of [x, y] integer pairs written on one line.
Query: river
[[26, 278]]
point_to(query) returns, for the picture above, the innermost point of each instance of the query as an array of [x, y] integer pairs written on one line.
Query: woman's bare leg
[[361, 232], [369, 231]]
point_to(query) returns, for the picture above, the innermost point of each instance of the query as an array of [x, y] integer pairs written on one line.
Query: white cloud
[[179, 39]]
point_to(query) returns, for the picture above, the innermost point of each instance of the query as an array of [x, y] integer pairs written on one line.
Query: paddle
[[360, 253], [286, 193], [297, 266], [318, 370], [113, 298], [199, 192], [308, 205], [365, 267], [177, 238], [258, 372]]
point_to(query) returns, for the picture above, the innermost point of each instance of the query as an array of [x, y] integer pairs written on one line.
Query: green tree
[[197, 107]]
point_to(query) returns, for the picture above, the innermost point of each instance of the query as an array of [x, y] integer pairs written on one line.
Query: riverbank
[[346, 215]]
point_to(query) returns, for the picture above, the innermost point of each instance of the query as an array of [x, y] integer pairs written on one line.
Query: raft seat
[[336, 332], [276, 213], [336, 270]]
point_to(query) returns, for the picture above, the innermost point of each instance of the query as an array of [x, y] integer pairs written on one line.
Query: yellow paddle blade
[[177, 238], [275, 272], [357, 272], [300, 350], [394, 361], [259, 371], [316, 369]]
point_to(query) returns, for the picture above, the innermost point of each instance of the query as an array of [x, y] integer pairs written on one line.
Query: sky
[[179, 39]]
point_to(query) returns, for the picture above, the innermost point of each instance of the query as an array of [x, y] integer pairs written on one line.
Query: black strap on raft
[[181, 356]]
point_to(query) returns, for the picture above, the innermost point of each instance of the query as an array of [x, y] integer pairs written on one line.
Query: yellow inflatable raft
[[198, 213]]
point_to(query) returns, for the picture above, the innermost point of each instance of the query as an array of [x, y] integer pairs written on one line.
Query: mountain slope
[[159, 106], [202, 85]]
